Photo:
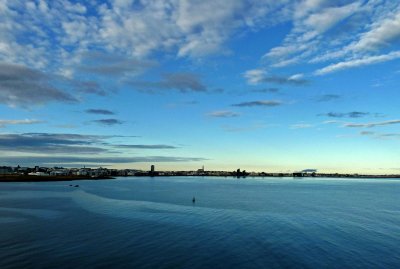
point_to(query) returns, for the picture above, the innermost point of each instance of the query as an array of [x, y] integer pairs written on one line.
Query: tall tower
[[152, 168]]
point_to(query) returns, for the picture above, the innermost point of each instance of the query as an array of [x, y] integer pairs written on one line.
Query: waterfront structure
[[104, 172], [5, 170]]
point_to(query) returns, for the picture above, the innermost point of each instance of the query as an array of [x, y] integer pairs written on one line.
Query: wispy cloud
[[183, 82], [311, 20], [382, 32], [180, 28], [99, 111], [327, 97], [145, 146], [70, 144], [76, 161], [366, 133], [330, 30], [108, 122], [267, 90], [353, 114], [301, 126], [66, 126], [257, 76], [113, 65], [259, 103], [246, 128], [26, 87], [382, 136], [389, 136], [4, 123], [348, 34], [331, 122], [371, 124], [52, 143], [296, 80], [223, 114], [182, 104], [358, 62], [89, 87]]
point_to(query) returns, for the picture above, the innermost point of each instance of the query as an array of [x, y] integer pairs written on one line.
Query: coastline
[[26, 178], [30, 178]]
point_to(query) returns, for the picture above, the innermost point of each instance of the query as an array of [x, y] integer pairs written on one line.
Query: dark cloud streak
[[145, 146], [267, 90], [113, 65], [183, 82], [223, 114], [89, 87], [74, 161], [353, 114], [108, 122], [260, 103], [99, 111], [51, 143], [371, 124], [26, 87]]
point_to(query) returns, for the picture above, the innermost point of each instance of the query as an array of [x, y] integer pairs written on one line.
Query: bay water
[[234, 223]]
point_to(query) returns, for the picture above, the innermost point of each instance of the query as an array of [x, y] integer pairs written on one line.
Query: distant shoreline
[[34, 178], [27, 178]]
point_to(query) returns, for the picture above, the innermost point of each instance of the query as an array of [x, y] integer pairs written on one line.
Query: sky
[[260, 85]]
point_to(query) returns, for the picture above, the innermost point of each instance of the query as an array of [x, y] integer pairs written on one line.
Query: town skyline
[[57, 173], [277, 86]]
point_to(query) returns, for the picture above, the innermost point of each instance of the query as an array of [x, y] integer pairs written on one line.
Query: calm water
[[246, 223]]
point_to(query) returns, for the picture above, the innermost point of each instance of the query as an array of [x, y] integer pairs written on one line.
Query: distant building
[[37, 174], [59, 173], [152, 168], [201, 170], [5, 170], [238, 173]]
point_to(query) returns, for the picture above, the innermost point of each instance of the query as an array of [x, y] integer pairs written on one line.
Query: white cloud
[[4, 123], [26, 87], [296, 76], [328, 17], [54, 34], [353, 34], [358, 62], [254, 76], [301, 126], [223, 114], [31, 33], [311, 20], [307, 6], [382, 33], [331, 122], [371, 124]]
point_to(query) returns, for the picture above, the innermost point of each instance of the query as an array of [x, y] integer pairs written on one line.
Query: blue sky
[[276, 86]]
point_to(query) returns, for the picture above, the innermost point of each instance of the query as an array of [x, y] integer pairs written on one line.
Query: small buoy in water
[[193, 200], [76, 186]]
